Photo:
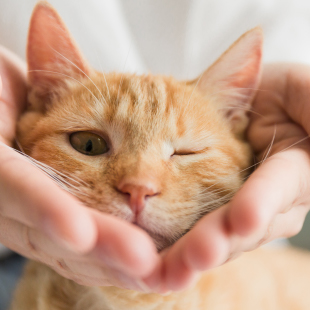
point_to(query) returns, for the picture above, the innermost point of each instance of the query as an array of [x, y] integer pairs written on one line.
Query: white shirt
[[174, 37]]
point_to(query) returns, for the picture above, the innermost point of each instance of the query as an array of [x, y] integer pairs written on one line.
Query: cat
[[156, 152]]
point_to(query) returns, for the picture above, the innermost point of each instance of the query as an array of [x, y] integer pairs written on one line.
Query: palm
[[275, 199], [42, 222], [280, 106]]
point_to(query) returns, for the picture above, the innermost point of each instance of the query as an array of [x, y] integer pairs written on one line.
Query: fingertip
[[73, 231], [83, 231], [177, 274], [143, 256], [245, 217], [252, 208], [206, 249], [125, 247]]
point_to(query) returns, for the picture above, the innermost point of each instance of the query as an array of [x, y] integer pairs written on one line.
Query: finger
[[285, 225], [85, 273], [295, 91], [126, 247], [92, 274], [120, 246], [205, 246], [84, 270], [40, 204], [275, 187], [84, 280], [13, 75], [29, 197], [14, 92], [212, 241], [15, 236]]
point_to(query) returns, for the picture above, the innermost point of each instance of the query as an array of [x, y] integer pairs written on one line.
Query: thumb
[[275, 187]]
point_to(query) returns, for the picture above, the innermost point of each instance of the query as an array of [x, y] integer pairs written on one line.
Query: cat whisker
[[122, 78], [242, 108], [214, 204], [75, 179], [214, 192], [239, 88], [268, 150], [68, 76], [105, 80], [119, 88], [106, 84], [301, 140], [190, 97], [72, 63], [254, 165], [204, 196], [58, 177]]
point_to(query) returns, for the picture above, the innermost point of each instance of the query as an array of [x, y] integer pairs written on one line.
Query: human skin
[[275, 199], [42, 222]]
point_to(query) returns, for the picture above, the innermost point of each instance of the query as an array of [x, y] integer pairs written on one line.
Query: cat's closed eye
[[183, 152], [88, 143]]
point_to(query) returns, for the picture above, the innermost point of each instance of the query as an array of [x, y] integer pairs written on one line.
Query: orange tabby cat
[[156, 152]]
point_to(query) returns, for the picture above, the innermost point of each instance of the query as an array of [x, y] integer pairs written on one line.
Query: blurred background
[[303, 238], [173, 37]]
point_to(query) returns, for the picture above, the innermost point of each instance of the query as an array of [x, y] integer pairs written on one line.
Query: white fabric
[[175, 37], [178, 37]]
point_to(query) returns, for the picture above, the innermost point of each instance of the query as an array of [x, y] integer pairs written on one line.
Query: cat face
[[149, 149]]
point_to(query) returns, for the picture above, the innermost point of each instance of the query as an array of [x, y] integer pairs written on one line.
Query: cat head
[[154, 151]]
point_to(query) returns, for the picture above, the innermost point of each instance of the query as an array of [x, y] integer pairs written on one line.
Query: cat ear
[[233, 79], [52, 54]]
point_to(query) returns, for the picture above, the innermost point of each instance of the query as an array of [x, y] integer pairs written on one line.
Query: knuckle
[[294, 230], [62, 265], [29, 243], [256, 217], [232, 257], [268, 234], [32, 248]]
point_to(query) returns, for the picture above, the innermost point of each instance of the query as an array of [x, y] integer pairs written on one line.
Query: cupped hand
[[274, 200], [42, 222]]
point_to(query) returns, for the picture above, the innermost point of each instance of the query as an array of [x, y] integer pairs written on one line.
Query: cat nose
[[138, 193]]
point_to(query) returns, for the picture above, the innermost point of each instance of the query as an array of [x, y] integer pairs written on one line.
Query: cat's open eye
[[88, 143]]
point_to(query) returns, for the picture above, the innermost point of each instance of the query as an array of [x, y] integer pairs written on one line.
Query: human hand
[[42, 222], [275, 199]]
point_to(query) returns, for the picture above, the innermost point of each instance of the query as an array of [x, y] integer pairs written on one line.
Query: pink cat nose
[[138, 193]]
